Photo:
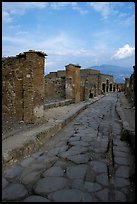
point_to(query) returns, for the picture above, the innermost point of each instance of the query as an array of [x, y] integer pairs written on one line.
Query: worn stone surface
[[54, 173], [14, 192], [35, 198], [68, 195], [50, 184]]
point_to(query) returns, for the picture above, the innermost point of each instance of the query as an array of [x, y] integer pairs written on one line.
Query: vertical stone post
[[33, 85], [86, 90], [73, 82]]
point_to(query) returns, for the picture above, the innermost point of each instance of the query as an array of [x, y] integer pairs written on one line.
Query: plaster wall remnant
[[23, 86]]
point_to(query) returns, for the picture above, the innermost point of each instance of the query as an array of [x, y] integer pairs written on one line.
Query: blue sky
[[84, 33]]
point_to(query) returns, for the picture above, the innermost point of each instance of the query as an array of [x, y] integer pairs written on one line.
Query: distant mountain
[[119, 73]]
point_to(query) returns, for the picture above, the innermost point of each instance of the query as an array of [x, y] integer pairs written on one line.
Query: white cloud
[[58, 5], [102, 7], [21, 7], [124, 52], [6, 18]]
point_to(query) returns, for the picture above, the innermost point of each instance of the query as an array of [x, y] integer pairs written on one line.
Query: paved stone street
[[85, 162]]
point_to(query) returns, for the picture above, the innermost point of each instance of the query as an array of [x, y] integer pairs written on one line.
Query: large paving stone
[[122, 160], [77, 183], [74, 151], [98, 166], [86, 197], [30, 177], [79, 143], [123, 172], [13, 172], [35, 167], [120, 197], [4, 182], [103, 195], [79, 158], [54, 171], [35, 198], [76, 172], [102, 179], [27, 161], [121, 182], [87, 138], [92, 187], [14, 192], [76, 138], [120, 154], [121, 149], [50, 184], [67, 195]]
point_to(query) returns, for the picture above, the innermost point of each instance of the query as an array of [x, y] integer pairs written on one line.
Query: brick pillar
[[73, 82], [33, 85]]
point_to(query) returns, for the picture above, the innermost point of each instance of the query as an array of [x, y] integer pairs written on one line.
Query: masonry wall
[[54, 88], [130, 88], [107, 81], [73, 82], [23, 86]]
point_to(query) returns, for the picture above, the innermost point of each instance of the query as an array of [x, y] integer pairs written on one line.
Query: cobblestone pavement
[[85, 162]]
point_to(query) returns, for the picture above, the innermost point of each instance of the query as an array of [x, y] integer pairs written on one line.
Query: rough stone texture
[[35, 198], [23, 86], [73, 82], [76, 172], [92, 187], [103, 195], [14, 192], [30, 178], [4, 182], [102, 179], [79, 158], [54, 171], [13, 172], [123, 172], [98, 166], [50, 184], [122, 160], [68, 195], [121, 182]]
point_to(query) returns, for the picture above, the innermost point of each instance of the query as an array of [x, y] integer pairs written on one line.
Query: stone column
[[73, 82], [33, 85]]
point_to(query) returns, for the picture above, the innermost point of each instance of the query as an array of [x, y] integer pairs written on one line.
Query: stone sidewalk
[[127, 115], [22, 143]]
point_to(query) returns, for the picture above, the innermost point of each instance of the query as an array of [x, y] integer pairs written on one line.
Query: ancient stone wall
[[55, 88], [130, 88], [106, 83], [73, 82], [23, 86]]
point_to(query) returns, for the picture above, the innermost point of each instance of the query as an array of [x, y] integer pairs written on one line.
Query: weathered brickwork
[[130, 87], [106, 83], [23, 86], [73, 82], [55, 88]]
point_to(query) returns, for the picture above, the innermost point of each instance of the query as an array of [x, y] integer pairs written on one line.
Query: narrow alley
[[85, 162]]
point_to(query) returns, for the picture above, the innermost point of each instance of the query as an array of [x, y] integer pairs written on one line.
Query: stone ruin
[[25, 89]]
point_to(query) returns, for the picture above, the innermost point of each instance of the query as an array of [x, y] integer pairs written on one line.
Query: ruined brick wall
[[130, 88], [9, 86], [55, 88], [106, 83], [23, 86], [73, 82]]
